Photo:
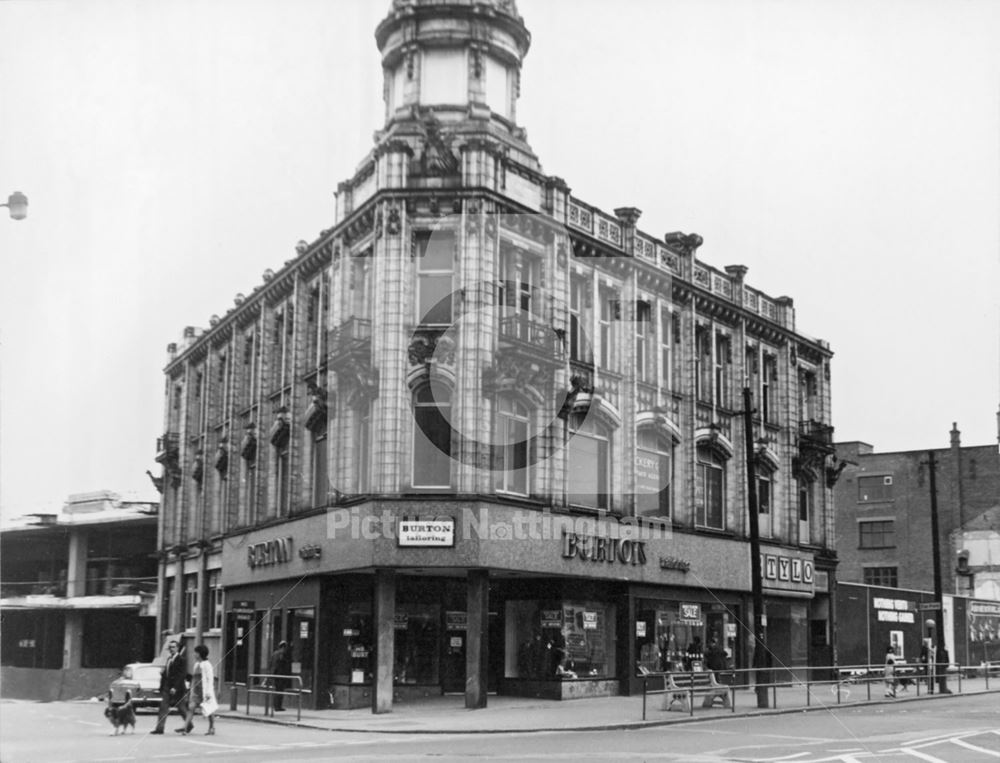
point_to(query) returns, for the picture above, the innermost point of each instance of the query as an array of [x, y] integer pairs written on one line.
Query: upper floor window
[[281, 345], [190, 614], [318, 455], [654, 473], [432, 436], [316, 318], [877, 534], [808, 396], [215, 600], [723, 365], [435, 253], [610, 315], [805, 489], [645, 359], [769, 388], [666, 348], [765, 483], [588, 464], [511, 473], [703, 364], [251, 349], [883, 576], [579, 339], [712, 486], [877, 488]]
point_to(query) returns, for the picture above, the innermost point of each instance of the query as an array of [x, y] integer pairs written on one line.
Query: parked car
[[141, 681]]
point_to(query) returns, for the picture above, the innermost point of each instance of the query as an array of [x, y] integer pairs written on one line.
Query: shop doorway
[[238, 643], [453, 659]]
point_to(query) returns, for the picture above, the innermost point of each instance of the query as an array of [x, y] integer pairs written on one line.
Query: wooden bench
[[681, 688]]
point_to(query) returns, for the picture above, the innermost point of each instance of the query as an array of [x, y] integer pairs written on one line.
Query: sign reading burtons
[[277, 551], [595, 548], [426, 532]]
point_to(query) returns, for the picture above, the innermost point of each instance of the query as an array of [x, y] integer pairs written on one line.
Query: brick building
[[480, 435], [884, 535]]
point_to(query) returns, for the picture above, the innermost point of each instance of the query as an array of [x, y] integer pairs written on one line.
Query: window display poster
[[551, 618], [690, 612], [589, 621], [640, 628]]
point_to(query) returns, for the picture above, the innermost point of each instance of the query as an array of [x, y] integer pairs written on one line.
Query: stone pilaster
[[385, 640], [477, 638]]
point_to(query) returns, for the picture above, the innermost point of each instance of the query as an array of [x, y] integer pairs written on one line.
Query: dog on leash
[[121, 715]]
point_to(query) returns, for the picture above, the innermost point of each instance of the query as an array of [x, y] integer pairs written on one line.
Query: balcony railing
[[537, 338], [167, 447], [354, 334]]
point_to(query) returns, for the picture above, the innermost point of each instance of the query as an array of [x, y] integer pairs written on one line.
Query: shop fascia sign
[[598, 548], [893, 610], [787, 569], [438, 532], [269, 552]]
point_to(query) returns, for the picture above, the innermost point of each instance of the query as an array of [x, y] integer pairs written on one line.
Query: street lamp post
[[17, 203], [941, 652]]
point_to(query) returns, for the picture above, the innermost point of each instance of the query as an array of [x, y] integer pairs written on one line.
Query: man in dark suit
[[173, 687]]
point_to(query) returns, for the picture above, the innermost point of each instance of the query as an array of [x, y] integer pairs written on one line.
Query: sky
[[846, 152]]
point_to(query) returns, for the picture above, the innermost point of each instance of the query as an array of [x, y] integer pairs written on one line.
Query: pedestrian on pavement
[[890, 672], [715, 657], [202, 692], [281, 665], [173, 686]]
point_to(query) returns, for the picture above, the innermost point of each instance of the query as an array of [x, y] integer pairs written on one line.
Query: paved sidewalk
[[448, 715]]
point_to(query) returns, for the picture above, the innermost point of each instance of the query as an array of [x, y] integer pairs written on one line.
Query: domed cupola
[[456, 59]]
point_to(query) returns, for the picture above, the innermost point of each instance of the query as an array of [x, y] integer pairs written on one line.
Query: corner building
[[481, 436]]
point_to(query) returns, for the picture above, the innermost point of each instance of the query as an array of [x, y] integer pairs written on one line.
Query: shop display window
[[353, 639], [300, 632], [418, 627], [559, 639], [675, 636]]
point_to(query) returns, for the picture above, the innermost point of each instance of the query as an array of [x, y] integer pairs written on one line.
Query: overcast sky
[[848, 153]]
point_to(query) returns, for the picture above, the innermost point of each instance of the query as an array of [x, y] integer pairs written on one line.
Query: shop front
[[576, 608]]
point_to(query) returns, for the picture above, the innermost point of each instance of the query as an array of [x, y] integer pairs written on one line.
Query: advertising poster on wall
[[984, 631]]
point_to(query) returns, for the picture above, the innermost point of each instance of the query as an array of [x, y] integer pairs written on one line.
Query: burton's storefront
[[526, 602]]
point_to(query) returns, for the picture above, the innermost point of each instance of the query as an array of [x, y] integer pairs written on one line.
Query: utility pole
[[759, 642], [941, 650]]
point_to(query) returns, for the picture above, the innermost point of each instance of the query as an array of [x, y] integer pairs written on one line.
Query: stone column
[[72, 640], [477, 638], [385, 640]]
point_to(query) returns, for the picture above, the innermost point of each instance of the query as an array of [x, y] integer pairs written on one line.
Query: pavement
[[447, 714]]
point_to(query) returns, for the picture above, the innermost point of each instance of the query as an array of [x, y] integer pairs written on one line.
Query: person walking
[[281, 665], [173, 687], [202, 692], [890, 672]]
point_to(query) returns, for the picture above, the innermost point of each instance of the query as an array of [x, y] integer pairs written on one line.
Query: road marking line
[[783, 757], [966, 745], [922, 756]]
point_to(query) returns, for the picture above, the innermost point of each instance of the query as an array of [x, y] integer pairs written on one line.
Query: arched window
[[511, 472], [588, 466], [432, 436], [712, 488], [654, 473]]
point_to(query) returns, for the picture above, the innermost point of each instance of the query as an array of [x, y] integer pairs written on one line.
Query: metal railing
[[264, 684], [849, 684]]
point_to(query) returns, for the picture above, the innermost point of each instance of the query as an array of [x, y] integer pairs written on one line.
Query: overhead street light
[[17, 202]]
